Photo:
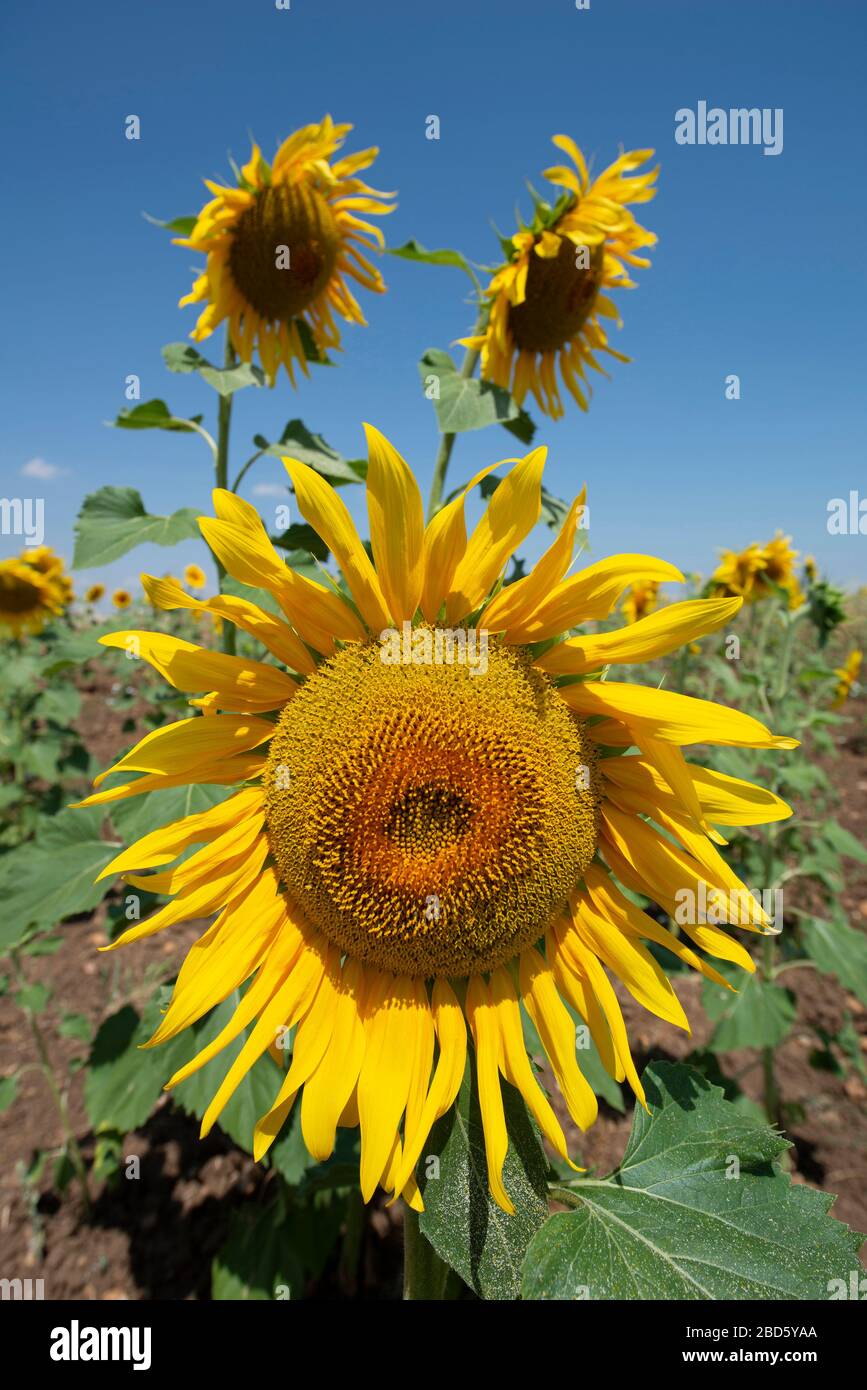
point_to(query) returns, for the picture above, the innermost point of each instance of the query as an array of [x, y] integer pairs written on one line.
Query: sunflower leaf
[[183, 357], [461, 1220], [414, 251], [758, 1015], [298, 442], [838, 949], [697, 1210], [462, 403], [154, 415], [113, 521], [51, 877]]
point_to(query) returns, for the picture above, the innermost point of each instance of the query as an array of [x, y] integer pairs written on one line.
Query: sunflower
[[28, 597], [436, 817], [779, 568], [121, 598], [281, 245], [810, 569], [736, 573], [51, 565], [547, 303], [847, 675], [641, 600], [94, 593], [194, 577]]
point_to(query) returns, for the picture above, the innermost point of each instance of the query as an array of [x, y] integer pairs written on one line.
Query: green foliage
[[297, 442], [698, 1209], [155, 415], [461, 1220], [414, 251], [183, 357], [113, 521], [760, 1014], [52, 877], [461, 402]]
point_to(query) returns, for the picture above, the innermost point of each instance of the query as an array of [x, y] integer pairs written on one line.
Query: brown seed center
[[284, 250], [560, 294]]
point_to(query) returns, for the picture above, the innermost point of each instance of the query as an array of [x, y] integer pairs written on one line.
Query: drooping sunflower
[[547, 303], [94, 593], [280, 246], [29, 598], [438, 807]]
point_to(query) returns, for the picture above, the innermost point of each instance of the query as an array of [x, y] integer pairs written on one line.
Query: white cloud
[[40, 468], [271, 490]]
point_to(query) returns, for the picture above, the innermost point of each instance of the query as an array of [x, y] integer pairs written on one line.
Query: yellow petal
[[511, 606], [674, 718], [557, 1033], [163, 845], [334, 1080], [483, 1026], [190, 742], [644, 640], [510, 515], [396, 514], [390, 1016], [589, 595], [241, 684], [320, 505], [445, 541]]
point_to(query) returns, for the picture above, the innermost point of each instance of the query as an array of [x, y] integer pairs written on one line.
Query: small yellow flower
[[548, 301], [121, 598], [810, 569], [281, 245], [94, 593], [847, 675], [194, 577], [641, 599]]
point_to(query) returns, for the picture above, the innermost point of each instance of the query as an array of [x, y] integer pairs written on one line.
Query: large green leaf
[[463, 403], [298, 442], [839, 950], [844, 842], [758, 1015], [697, 1210], [124, 1081], [51, 877], [257, 1261], [183, 357], [139, 815], [113, 521], [461, 1220]]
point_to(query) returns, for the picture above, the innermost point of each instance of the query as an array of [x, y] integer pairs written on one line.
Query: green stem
[[771, 1093], [221, 471], [75, 1155], [447, 442], [249, 464], [425, 1275]]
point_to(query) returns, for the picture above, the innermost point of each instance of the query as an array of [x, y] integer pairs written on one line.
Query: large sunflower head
[[547, 302], [440, 812], [737, 573], [280, 246], [29, 597]]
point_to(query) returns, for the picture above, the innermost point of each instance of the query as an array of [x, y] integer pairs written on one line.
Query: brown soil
[[155, 1238]]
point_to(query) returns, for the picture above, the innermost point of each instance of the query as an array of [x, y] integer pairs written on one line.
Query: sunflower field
[[412, 898]]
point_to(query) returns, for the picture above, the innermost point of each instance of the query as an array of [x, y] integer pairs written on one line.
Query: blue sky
[[759, 269]]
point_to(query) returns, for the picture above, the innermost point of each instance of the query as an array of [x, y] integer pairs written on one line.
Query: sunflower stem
[[425, 1275], [447, 442], [221, 470]]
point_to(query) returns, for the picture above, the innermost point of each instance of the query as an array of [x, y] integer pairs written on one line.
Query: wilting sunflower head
[[547, 303], [29, 597], [280, 246], [438, 814]]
